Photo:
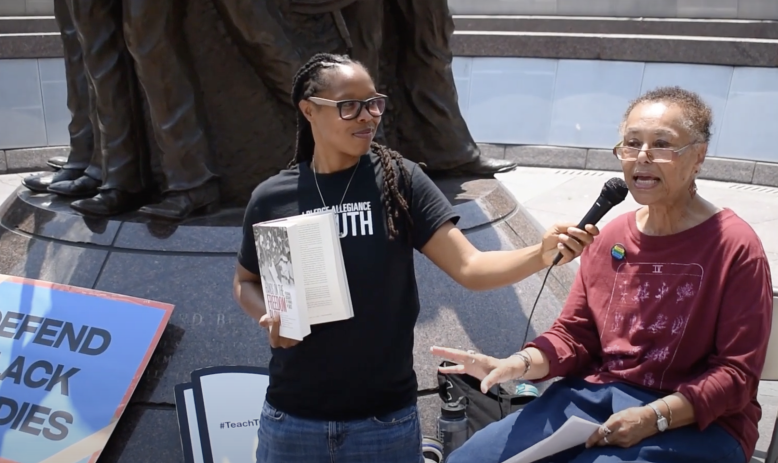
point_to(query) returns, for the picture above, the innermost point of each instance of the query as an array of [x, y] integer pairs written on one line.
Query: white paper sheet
[[575, 431]]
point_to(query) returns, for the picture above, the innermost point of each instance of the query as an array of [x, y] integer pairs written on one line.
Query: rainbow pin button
[[618, 252]]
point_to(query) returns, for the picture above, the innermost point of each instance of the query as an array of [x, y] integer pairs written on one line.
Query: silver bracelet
[[527, 362], [669, 411]]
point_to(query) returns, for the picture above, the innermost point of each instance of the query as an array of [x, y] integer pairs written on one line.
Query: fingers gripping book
[[303, 276]]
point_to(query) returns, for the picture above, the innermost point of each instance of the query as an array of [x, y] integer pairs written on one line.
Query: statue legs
[[431, 125], [110, 69], [121, 38], [154, 36], [81, 172]]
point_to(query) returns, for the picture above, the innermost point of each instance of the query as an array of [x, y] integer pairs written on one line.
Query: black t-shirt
[[363, 366]]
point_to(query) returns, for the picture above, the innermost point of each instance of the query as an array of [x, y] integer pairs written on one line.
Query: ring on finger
[[604, 429], [605, 439], [471, 352]]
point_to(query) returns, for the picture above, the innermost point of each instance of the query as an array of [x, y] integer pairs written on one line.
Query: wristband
[[527, 362]]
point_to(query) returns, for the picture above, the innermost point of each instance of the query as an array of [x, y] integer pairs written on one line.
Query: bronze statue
[[425, 123], [128, 39], [145, 84], [79, 173]]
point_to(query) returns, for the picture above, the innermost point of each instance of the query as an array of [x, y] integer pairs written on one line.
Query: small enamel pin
[[618, 251]]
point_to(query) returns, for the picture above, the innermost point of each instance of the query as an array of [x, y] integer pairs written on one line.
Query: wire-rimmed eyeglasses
[[657, 155], [350, 109]]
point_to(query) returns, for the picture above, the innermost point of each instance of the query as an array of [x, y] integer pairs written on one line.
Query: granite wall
[[731, 9], [505, 100]]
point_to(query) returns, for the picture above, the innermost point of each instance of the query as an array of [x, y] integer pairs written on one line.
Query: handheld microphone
[[613, 192]]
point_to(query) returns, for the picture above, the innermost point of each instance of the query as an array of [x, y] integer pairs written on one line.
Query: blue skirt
[[595, 402]]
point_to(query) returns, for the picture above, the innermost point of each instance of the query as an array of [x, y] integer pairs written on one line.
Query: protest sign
[[187, 424], [70, 359], [229, 401]]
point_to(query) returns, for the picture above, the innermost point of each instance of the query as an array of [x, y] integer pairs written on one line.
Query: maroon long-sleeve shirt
[[689, 313]]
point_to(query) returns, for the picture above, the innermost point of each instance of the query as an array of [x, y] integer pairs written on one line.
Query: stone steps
[[27, 24], [613, 25], [30, 45], [29, 37], [724, 51]]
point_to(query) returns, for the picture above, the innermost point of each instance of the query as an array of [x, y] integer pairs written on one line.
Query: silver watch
[[661, 421]]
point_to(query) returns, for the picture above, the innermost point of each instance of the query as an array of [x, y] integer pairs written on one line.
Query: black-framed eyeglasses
[[657, 155], [350, 109]]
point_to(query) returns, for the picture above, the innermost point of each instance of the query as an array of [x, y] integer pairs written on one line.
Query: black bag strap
[[507, 401]]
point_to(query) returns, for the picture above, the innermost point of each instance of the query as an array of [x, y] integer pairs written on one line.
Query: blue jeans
[[391, 438], [574, 397]]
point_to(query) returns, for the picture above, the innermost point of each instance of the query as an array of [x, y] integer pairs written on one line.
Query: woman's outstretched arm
[[452, 252]]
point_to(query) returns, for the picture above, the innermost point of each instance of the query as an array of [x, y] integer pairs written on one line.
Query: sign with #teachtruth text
[[70, 359]]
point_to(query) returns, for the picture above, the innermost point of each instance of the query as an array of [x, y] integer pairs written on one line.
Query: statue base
[[191, 265]]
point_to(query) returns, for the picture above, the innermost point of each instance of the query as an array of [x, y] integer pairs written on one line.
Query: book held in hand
[[302, 272]]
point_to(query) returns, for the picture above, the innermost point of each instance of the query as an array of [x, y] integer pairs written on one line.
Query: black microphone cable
[[613, 192], [532, 312]]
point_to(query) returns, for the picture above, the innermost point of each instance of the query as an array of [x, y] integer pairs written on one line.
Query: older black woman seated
[[663, 336]]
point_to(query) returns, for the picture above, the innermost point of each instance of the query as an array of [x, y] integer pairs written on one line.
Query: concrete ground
[[554, 195], [9, 183]]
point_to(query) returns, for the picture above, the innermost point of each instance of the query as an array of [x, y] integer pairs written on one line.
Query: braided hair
[[309, 80]]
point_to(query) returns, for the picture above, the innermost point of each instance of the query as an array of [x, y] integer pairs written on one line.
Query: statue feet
[[57, 162], [109, 202], [40, 183], [179, 205], [80, 187], [484, 166]]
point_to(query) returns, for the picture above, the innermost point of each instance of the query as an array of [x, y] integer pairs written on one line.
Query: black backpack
[[482, 409]]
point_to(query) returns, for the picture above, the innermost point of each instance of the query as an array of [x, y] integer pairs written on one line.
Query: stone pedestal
[[191, 266]]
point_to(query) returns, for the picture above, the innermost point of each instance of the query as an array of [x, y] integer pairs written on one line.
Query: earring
[[693, 186], [693, 189]]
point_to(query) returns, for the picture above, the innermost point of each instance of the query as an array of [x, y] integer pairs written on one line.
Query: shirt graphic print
[[353, 219], [646, 318]]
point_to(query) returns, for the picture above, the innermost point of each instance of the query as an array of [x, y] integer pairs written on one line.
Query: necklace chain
[[347, 186]]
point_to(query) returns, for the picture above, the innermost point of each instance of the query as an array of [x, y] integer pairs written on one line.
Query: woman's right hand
[[273, 325], [489, 370]]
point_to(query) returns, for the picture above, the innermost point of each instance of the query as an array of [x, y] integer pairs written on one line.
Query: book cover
[[278, 282]]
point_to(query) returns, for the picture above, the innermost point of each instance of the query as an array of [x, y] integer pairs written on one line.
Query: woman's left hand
[[567, 239], [625, 428]]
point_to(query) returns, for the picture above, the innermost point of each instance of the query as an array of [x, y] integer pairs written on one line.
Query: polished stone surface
[[49, 261], [144, 435], [49, 216], [216, 331], [196, 235]]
